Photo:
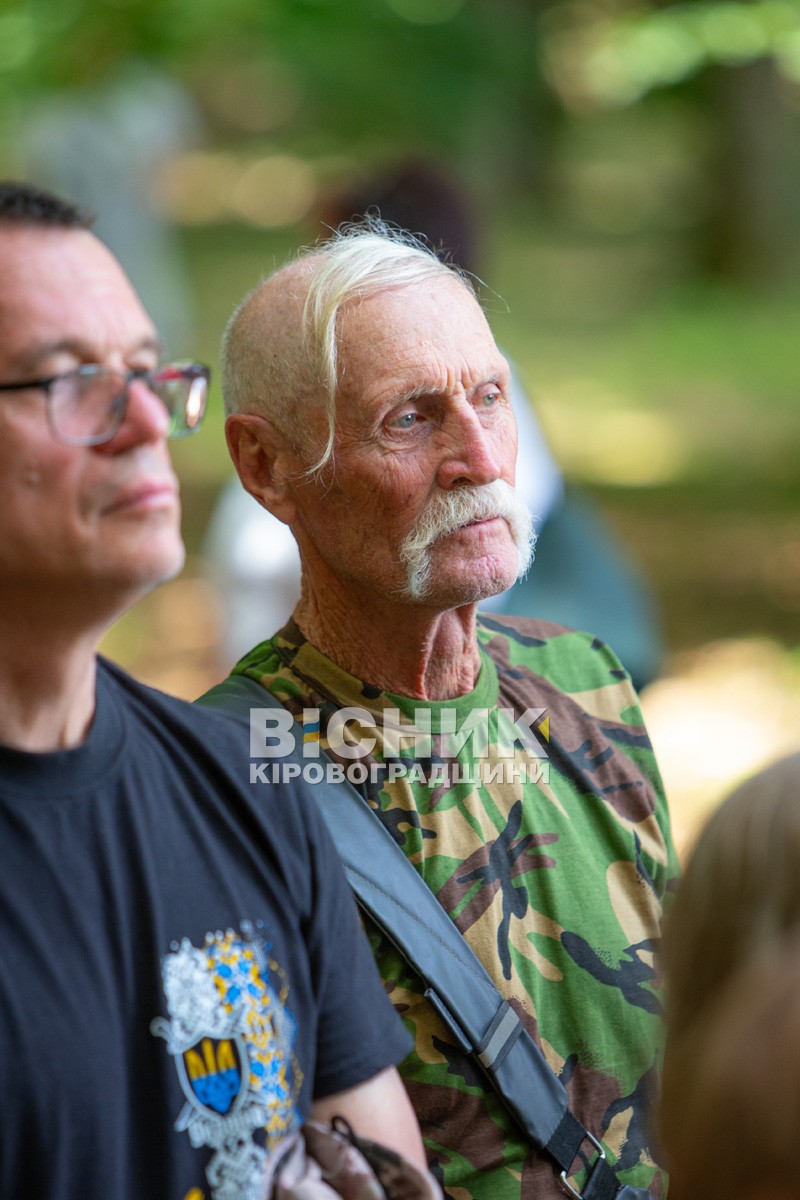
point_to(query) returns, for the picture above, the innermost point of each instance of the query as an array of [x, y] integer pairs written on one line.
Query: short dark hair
[[25, 204]]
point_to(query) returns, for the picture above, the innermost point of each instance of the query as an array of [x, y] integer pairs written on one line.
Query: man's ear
[[263, 462]]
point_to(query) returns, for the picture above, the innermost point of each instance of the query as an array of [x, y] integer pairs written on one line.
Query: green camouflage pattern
[[557, 885]]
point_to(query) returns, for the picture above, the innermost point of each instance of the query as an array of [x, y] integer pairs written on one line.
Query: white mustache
[[448, 512]]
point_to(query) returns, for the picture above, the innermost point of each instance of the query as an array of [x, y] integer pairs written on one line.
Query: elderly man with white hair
[[369, 411]]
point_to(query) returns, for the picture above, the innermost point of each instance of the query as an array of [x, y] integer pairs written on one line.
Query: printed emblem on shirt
[[232, 1037]]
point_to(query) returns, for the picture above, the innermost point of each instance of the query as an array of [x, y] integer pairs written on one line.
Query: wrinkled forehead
[[436, 326], [63, 287]]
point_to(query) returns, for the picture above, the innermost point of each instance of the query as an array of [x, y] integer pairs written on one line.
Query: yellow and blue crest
[[213, 1073], [231, 1037]]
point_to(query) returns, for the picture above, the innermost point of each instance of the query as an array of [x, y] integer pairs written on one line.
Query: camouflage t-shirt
[[553, 863]]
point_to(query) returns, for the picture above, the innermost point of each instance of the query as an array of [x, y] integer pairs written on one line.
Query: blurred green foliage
[[635, 167], [366, 75]]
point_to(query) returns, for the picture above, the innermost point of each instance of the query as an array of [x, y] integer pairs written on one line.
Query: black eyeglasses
[[86, 407]]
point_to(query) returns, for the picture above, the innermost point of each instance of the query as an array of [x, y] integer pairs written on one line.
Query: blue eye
[[406, 420], [490, 399]]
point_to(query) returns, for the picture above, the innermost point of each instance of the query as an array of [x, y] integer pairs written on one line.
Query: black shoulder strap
[[484, 1024]]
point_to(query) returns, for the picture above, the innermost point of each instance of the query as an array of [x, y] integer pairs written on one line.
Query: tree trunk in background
[[749, 234], [513, 115]]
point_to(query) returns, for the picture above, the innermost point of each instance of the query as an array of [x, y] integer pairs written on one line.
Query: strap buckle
[[601, 1158]]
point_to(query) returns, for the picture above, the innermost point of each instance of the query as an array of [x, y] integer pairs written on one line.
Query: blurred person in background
[[730, 1107], [106, 145], [184, 976], [370, 412], [731, 1112], [582, 576]]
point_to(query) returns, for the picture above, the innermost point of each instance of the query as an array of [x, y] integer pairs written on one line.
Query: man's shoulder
[[569, 670], [142, 699], [547, 644], [155, 718], [208, 743]]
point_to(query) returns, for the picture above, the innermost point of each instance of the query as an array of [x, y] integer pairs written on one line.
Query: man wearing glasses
[[183, 973]]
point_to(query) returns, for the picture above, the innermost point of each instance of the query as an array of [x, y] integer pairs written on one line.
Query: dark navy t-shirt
[[182, 966]]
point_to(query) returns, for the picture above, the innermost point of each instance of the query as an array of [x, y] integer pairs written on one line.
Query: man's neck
[[403, 648], [48, 664], [47, 681]]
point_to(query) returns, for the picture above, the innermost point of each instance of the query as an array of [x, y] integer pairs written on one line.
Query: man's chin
[[161, 561], [171, 562], [446, 590]]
